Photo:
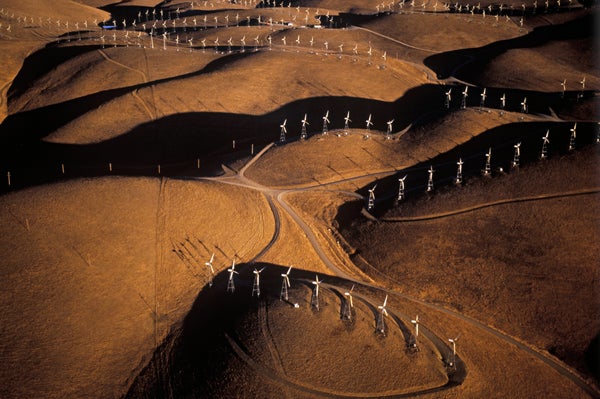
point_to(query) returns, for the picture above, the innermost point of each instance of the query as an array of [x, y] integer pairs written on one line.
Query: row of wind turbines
[[487, 169], [524, 107], [325, 129]]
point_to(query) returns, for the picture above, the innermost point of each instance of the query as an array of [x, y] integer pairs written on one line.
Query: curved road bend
[[556, 364]]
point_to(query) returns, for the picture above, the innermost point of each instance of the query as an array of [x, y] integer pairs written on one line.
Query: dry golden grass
[[527, 268], [85, 262]]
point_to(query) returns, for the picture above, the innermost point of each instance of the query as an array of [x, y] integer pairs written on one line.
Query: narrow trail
[[396, 40], [107, 57], [492, 204]]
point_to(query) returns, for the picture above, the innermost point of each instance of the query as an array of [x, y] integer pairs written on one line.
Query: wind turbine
[[483, 96], [211, 270], [315, 295], [453, 342], [401, 188], [582, 83], [230, 282], [325, 122], [517, 154], [430, 179], [415, 321], [285, 284], [256, 284], [564, 87], [464, 97], [371, 203], [389, 128], [488, 163], [382, 313], [573, 131], [545, 142], [283, 132], [524, 105], [459, 171], [304, 123], [349, 304], [384, 57], [502, 102], [347, 122], [448, 98], [369, 123]]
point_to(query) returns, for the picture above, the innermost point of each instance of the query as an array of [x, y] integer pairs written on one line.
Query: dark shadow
[[469, 64]]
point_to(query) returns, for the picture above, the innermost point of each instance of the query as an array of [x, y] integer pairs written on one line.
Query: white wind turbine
[[371, 203], [401, 188], [503, 102], [488, 163], [573, 131], [389, 128], [315, 295], [230, 282], [304, 124], [459, 171], [545, 142], [211, 270], [415, 321], [325, 122], [448, 98], [465, 94], [349, 304], [524, 105], [256, 284], [483, 96], [563, 84], [380, 317], [430, 179], [285, 284], [517, 155], [453, 342], [347, 121], [369, 123], [283, 131]]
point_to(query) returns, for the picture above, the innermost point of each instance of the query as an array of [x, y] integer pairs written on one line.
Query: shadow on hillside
[[195, 360], [178, 141], [469, 64], [500, 139]]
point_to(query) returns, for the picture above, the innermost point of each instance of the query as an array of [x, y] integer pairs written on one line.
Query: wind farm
[[303, 199]]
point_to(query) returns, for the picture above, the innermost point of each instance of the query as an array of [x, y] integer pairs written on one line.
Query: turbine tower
[[369, 123], [325, 122], [483, 97], [283, 132], [314, 301], [380, 316], [389, 129], [524, 105], [371, 203], [517, 154], [502, 103], [459, 169], [465, 94], [545, 142], [347, 122], [448, 98], [348, 305], [573, 137], [488, 163], [211, 270], [416, 323], [304, 123], [453, 342], [285, 284], [230, 282], [430, 179], [401, 188], [563, 84], [256, 284]]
